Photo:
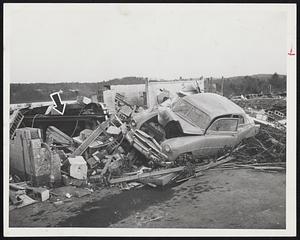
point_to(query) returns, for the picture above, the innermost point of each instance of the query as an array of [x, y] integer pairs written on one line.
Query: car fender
[[181, 145]]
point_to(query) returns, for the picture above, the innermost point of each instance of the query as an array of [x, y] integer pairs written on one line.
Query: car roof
[[214, 104]]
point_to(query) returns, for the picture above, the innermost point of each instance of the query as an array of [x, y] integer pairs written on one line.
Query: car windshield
[[191, 114]]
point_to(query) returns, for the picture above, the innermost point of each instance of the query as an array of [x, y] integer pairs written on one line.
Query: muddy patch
[[112, 209]]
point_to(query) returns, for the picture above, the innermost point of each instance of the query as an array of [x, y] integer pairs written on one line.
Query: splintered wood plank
[[145, 175], [84, 145]]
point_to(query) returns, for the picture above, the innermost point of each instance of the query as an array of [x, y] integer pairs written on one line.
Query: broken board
[[159, 180]]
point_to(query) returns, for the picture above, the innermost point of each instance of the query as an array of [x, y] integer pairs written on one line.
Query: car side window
[[240, 118], [224, 124]]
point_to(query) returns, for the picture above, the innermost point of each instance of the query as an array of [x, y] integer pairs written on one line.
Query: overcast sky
[[95, 42]]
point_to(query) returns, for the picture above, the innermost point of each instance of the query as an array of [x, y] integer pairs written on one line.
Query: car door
[[221, 133], [246, 127]]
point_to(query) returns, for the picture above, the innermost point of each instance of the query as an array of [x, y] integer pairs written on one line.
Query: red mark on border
[[291, 52]]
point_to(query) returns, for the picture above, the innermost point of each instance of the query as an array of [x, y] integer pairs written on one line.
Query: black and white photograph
[[149, 119]]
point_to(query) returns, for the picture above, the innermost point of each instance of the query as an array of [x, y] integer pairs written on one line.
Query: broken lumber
[[160, 180], [214, 164], [267, 163], [58, 136], [262, 167], [145, 175], [268, 168], [84, 145], [106, 166], [100, 177], [17, 187], [167, 171]]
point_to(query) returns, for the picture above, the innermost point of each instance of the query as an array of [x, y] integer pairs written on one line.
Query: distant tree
[[277, 82]]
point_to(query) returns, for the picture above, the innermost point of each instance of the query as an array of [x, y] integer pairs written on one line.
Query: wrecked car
[[199, 126]]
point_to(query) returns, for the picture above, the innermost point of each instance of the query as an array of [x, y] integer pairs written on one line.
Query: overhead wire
[[34, 118], [77, 120]]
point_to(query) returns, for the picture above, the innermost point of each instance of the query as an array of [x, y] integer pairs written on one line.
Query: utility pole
[[147, 92], [222, 86]]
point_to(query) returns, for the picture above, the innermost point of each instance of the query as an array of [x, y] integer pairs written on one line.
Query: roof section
[[213, 104]]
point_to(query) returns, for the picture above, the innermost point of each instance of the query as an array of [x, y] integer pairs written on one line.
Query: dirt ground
[[231, 199]]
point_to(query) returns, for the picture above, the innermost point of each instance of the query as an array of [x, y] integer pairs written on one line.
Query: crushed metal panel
[[146, 145]]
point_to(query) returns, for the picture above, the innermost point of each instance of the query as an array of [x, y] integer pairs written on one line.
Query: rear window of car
[[191, 113], [182, 107]]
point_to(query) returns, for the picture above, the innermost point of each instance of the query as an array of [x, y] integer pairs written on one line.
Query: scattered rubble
[[269, 111], [268, 146], [54, 165]]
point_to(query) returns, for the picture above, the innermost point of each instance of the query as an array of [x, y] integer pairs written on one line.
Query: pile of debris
[[269, 145], [111, 154], [22, 194], [260, 103], [114, 153], [271, 112], [264, 152]]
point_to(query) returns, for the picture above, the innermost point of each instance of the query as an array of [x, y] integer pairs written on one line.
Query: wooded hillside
[[36, 92]]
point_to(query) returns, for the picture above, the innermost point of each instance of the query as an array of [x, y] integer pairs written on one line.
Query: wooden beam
[[145, 175]]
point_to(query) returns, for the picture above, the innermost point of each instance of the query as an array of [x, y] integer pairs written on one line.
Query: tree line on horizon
[[39, 92], [275, 83]]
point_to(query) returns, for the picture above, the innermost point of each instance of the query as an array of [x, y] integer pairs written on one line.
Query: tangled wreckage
[[89, 148]]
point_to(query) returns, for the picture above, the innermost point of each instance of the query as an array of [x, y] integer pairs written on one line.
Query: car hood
[[166, 115]]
